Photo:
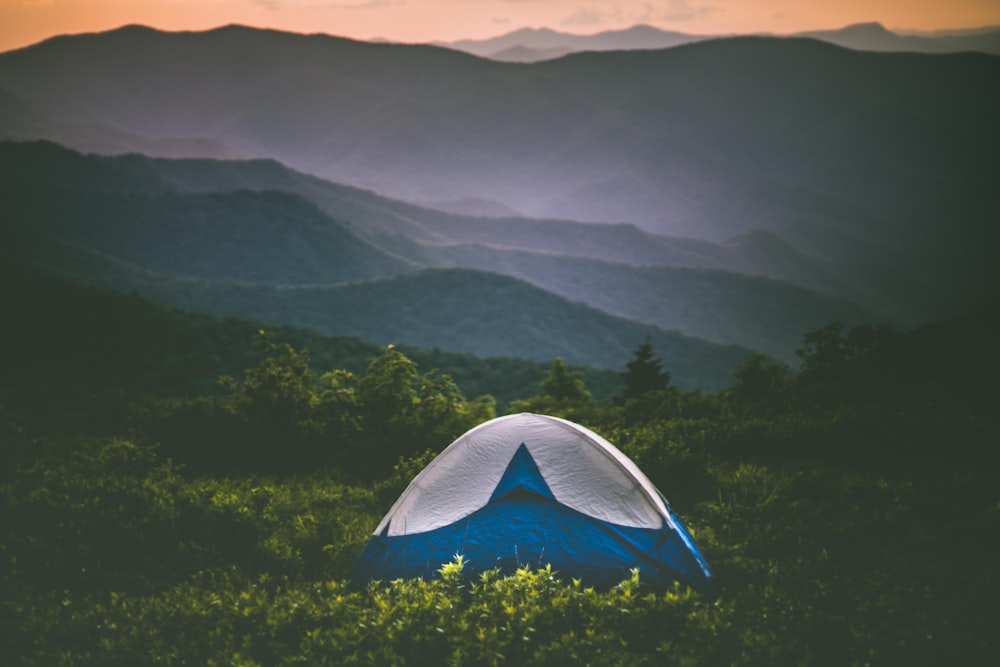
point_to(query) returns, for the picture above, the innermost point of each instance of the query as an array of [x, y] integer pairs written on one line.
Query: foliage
[[393, 411], [644, 373], [359, 423], [563, 393], [837, 530]]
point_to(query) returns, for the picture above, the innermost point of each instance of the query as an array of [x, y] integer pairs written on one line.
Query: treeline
[[848, 509]]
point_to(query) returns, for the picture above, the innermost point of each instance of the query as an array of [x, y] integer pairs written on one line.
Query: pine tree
[[564, 385], [644, 373]]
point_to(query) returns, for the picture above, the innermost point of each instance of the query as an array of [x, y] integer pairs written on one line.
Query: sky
[[24, 22]]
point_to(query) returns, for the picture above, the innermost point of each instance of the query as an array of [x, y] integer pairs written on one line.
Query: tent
[[532, 489]]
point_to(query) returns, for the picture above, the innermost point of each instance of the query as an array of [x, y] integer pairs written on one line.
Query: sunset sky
[[23, 22]]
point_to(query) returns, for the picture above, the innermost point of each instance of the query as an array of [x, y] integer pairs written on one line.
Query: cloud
[[328, 4], [365, 4], [674, 10], [592, 16]]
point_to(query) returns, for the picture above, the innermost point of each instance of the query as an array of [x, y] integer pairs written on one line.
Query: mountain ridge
[[215, 221], [420, 123], [537, 44], [458, 310]]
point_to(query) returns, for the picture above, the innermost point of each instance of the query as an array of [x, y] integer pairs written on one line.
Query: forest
[[205, 507]]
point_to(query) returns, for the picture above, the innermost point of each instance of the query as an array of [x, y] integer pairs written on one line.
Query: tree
[[393, 411], [564, 385], [829, 352], [563, 392], [644, 373], [762, 386], [274, 404]]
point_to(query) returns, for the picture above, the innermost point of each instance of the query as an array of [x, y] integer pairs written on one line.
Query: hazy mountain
[[949, 32], [474, 312], [26, 166], [710, 140], [542, 40], [760, 313], [20, 120], [707, 140], [875, 37], [522, 54], [475, 207], [530, 45], [154, 214], [244, 236], [851, 173]]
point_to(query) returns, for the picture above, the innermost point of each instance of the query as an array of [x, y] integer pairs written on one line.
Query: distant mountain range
[[721, 197], [181, 217], [272, 256], [536, 44], [532, 44], [233, 238], [874, 172]]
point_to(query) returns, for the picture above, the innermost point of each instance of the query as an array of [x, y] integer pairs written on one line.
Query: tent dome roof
[[536, 489], [582, 470]]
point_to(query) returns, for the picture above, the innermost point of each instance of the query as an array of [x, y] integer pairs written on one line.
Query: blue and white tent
[[532, 490]]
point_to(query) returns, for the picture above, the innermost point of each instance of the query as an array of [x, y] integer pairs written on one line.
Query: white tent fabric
[[583, 470]]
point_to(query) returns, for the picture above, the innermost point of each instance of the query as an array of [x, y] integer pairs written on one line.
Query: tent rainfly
[[531, 489]]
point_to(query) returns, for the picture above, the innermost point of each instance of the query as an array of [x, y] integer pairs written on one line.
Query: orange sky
[[24, 22]]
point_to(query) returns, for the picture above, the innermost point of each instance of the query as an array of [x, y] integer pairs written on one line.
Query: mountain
[[530, 45], [711, 140], [474, 207], [29, 166], [21, 120], [760, 313], [258, 222], [875, 37], [488, 315], [707, 140], [243, 236], [545, 40], [457, 310], [522, 54], [394, 226], [66, 344]]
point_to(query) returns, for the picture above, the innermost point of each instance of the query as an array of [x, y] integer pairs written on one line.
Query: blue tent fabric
[[522, 475], [524, 524]]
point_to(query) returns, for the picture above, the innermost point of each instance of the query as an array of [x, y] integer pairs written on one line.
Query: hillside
[[244, 236], [66, 346], [756, 312], [459, 311]]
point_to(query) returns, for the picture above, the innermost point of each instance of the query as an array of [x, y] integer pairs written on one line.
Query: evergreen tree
[[564, 394], [644, 373], [564, 385]]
